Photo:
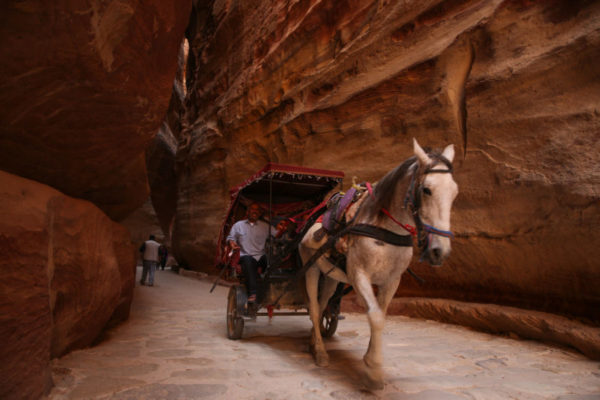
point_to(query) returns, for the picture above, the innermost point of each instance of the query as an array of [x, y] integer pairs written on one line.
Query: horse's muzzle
[[435, 256]]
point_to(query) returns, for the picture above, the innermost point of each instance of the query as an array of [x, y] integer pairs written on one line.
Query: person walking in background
[[150, 259], [163, 254]]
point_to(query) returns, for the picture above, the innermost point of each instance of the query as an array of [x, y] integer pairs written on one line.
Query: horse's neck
[[396, 207]]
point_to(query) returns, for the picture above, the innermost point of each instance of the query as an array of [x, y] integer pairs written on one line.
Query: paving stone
[[425, 395], [349, 334], [94, 386], [172, 392], [170, 353], [491, 363], [192, 361], [489, 393], [353, 395], [313, 385], [278, 373], [127, 370]]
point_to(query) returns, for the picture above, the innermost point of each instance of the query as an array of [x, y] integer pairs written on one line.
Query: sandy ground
[[174, 346]]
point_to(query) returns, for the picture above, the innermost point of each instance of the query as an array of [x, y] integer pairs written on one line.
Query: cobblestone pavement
[[174, 346]]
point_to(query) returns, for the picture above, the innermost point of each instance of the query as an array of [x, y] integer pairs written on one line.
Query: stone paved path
[[174, 346]]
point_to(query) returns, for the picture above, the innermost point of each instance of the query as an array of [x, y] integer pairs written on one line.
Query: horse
[[420, 191]]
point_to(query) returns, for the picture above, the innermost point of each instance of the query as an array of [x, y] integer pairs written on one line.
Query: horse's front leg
[[373, 357], [385, 294], [316, 340]]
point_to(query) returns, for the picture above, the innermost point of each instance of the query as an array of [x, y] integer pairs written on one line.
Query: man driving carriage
[[249, 236]]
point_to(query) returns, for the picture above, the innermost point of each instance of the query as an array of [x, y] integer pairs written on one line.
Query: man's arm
[[232, 237], [143, 247]]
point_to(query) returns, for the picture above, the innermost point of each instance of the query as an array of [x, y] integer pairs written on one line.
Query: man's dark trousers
[[250, 271]]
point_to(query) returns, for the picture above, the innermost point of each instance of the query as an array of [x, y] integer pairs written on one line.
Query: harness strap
[[382, 234], [432, 229]]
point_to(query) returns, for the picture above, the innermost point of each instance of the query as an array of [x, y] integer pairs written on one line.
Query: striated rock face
[[347, 85], [85, 89], [68, 273]]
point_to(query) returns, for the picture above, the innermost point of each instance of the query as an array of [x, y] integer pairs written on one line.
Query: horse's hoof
[[371, 383], [322, 360], [373, 377]]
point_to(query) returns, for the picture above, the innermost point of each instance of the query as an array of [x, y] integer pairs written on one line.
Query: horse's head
[[433, 194]]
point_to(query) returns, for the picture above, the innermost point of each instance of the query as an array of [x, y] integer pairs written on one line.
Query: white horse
[[418, 192]]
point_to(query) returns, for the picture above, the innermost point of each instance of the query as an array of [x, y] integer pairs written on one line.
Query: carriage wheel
[[329, 323], [235, 323]]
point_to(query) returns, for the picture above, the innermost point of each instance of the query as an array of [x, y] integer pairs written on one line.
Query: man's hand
[[233, 245]]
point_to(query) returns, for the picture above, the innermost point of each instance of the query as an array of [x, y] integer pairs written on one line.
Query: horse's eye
[[427, 191]]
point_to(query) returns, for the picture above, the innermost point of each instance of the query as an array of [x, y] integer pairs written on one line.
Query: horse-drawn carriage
[[292, 198], [369, 244]]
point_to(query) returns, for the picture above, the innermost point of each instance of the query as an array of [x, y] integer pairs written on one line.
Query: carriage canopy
[[281, 190]]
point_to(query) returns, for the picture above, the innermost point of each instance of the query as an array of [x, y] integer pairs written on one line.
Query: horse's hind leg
[[316, 341], [373, 357]]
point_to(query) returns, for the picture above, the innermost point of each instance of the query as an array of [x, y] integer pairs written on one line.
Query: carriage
[[295, 197]]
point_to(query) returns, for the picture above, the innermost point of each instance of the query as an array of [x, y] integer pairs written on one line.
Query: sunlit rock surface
[[347, 84], [85, 88], [68, 273]]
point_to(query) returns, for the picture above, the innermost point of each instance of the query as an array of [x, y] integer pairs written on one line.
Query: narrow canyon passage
[[174, 346]]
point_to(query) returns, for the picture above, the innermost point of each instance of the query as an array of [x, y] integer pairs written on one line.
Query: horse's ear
[[449, 152], [420, 153]]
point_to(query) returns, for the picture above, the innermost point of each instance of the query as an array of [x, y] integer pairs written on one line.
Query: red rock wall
[[85, 88], [348, 84], [68, 272]]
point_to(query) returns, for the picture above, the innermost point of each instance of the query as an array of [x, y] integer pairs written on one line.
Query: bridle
[[413, 200]]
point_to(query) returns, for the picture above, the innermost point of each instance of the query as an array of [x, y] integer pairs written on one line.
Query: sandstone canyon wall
[[347, 85], [68, 272], [85, 88]]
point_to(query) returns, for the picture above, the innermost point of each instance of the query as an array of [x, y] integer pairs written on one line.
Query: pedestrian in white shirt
[[150, 259]]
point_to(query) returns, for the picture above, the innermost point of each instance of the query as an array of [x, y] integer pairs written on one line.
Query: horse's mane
[[385, 188]]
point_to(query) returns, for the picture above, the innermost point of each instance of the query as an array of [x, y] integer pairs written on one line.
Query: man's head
[[254, 212], [151, 237]]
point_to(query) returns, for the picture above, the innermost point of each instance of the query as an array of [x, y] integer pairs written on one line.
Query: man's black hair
[[151, 237]]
